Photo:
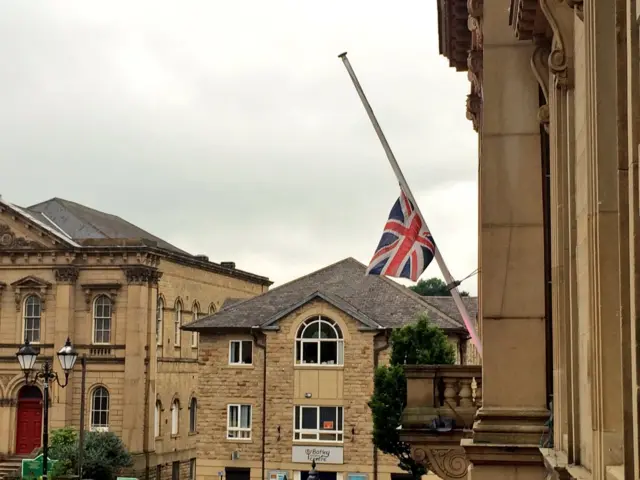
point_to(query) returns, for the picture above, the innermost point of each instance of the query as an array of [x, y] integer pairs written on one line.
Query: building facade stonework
[[121, 301], [302, 393], [554, 98]]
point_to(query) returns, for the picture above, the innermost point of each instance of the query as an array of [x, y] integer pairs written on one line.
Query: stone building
[[121, 295], [554, 98], [286, 376]]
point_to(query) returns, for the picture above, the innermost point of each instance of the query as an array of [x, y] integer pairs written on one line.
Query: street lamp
[[27, 356]]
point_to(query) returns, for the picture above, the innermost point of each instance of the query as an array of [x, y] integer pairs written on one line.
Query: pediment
[[31, 282], [23, 232]]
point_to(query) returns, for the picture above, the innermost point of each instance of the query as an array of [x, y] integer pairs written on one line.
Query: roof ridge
[[295, 280]]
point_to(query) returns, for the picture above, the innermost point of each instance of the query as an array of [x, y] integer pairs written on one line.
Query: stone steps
[[11, 466]]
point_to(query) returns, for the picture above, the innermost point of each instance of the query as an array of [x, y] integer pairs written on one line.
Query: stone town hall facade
[[121, 295]]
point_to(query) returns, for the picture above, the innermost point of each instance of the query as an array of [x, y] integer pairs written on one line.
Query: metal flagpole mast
[[407, 191]]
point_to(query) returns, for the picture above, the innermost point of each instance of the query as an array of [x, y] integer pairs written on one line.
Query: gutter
[[263, 346], [376, 360]]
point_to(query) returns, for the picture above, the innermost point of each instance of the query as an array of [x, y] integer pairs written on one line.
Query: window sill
[[177, 435], [191, 434], [240, 365], [239, 440], [326, 443], [308, 366]]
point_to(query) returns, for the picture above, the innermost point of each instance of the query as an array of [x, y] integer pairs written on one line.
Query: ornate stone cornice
[[142, 275], [475, 62], [66, 275], [454, 34], [523, 18], [560, 19], [30, 284]]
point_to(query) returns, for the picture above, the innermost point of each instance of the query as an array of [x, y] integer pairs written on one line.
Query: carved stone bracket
[[560, 18], [474, 110], [67, 275], [9, 240], [447, 462], [141, 275], [475, 62], [108, 289], [540, 67]]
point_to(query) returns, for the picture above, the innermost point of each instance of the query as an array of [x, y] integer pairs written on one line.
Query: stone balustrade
[[442, 397]]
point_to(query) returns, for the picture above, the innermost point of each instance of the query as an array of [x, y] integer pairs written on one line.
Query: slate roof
[[376, 301], [80, 223]]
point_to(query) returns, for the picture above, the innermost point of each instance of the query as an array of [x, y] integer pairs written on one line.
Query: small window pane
[[309, 418], [312, 331], [245, 416], [234, 356], [328, 418], [309, 352], [327, 331], [247, 352], [328, 353]]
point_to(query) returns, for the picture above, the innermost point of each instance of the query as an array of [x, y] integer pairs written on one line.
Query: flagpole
[[407, 191]]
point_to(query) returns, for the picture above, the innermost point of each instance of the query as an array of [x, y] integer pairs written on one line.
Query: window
[[193, 415], [102, 319], [32, 318], [158, 419], [100, 410], [177, 323], [323, 424], [175, 417], [319, 342], [159, 320], [192, 469], [175, 471], [194, 335], [241, 352], [239, 421], [212, 309]]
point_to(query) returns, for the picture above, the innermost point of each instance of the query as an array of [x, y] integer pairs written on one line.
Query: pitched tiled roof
[[448, 306], [376, 301], [80, 223]]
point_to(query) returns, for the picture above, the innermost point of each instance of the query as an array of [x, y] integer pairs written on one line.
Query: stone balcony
[[442, 401]]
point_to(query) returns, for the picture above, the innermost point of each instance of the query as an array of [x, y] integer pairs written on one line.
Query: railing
[[101, 352], [440, 395]]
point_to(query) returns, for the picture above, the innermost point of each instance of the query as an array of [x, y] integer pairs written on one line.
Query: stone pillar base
[[504, 462], [506, 426]]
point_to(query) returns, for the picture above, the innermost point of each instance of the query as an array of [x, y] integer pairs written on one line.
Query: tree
[[104, 454], [434, 287], [420, 343]]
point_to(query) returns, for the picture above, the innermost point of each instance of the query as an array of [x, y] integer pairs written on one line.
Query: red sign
[[327, 425]]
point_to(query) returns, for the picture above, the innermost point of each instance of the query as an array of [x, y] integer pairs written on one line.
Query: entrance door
[[29, 430], [237, 473], [321, 475]]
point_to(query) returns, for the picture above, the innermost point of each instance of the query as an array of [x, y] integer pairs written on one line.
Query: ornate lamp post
[[27, 356]]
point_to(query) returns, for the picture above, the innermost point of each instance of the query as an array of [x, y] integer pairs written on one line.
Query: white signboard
[[333, 455]]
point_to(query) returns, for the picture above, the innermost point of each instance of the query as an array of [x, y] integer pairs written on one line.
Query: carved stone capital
[[67, 275], [141, 275], [447, 462]]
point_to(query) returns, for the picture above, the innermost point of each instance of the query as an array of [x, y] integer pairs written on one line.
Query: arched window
[[158, 418], [194, 335], [102, 319], [319, 342], [177, 323], [32, 318], [175, 417], [193, 415], [100, 409], [159, 318], [212, 309]]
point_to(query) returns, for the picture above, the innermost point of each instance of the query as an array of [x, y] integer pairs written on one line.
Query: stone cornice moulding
[[560, 18], [522, 18], [66, 275], [475, 62], [142, 275]]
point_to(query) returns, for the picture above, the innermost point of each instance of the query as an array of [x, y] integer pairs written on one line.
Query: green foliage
[[434, 287], [420, 343], [104, 454]]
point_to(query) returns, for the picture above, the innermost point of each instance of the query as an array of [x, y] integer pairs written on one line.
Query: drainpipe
[[83, 393], [262, 344], [376, 360]]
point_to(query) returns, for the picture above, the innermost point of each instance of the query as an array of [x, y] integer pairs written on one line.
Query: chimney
[[202, 258], [230, 265]]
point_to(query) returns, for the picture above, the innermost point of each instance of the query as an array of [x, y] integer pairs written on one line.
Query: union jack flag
[[406, 247]]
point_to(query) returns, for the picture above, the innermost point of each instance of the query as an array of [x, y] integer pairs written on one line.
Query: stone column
[[62, 398], [137, 404], [511, 421]]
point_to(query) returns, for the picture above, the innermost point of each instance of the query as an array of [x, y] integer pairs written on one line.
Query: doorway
[[321, 475], [237, 473], [29, 420]]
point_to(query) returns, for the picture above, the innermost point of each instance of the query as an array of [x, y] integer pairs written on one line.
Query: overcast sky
[[232, 129]]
